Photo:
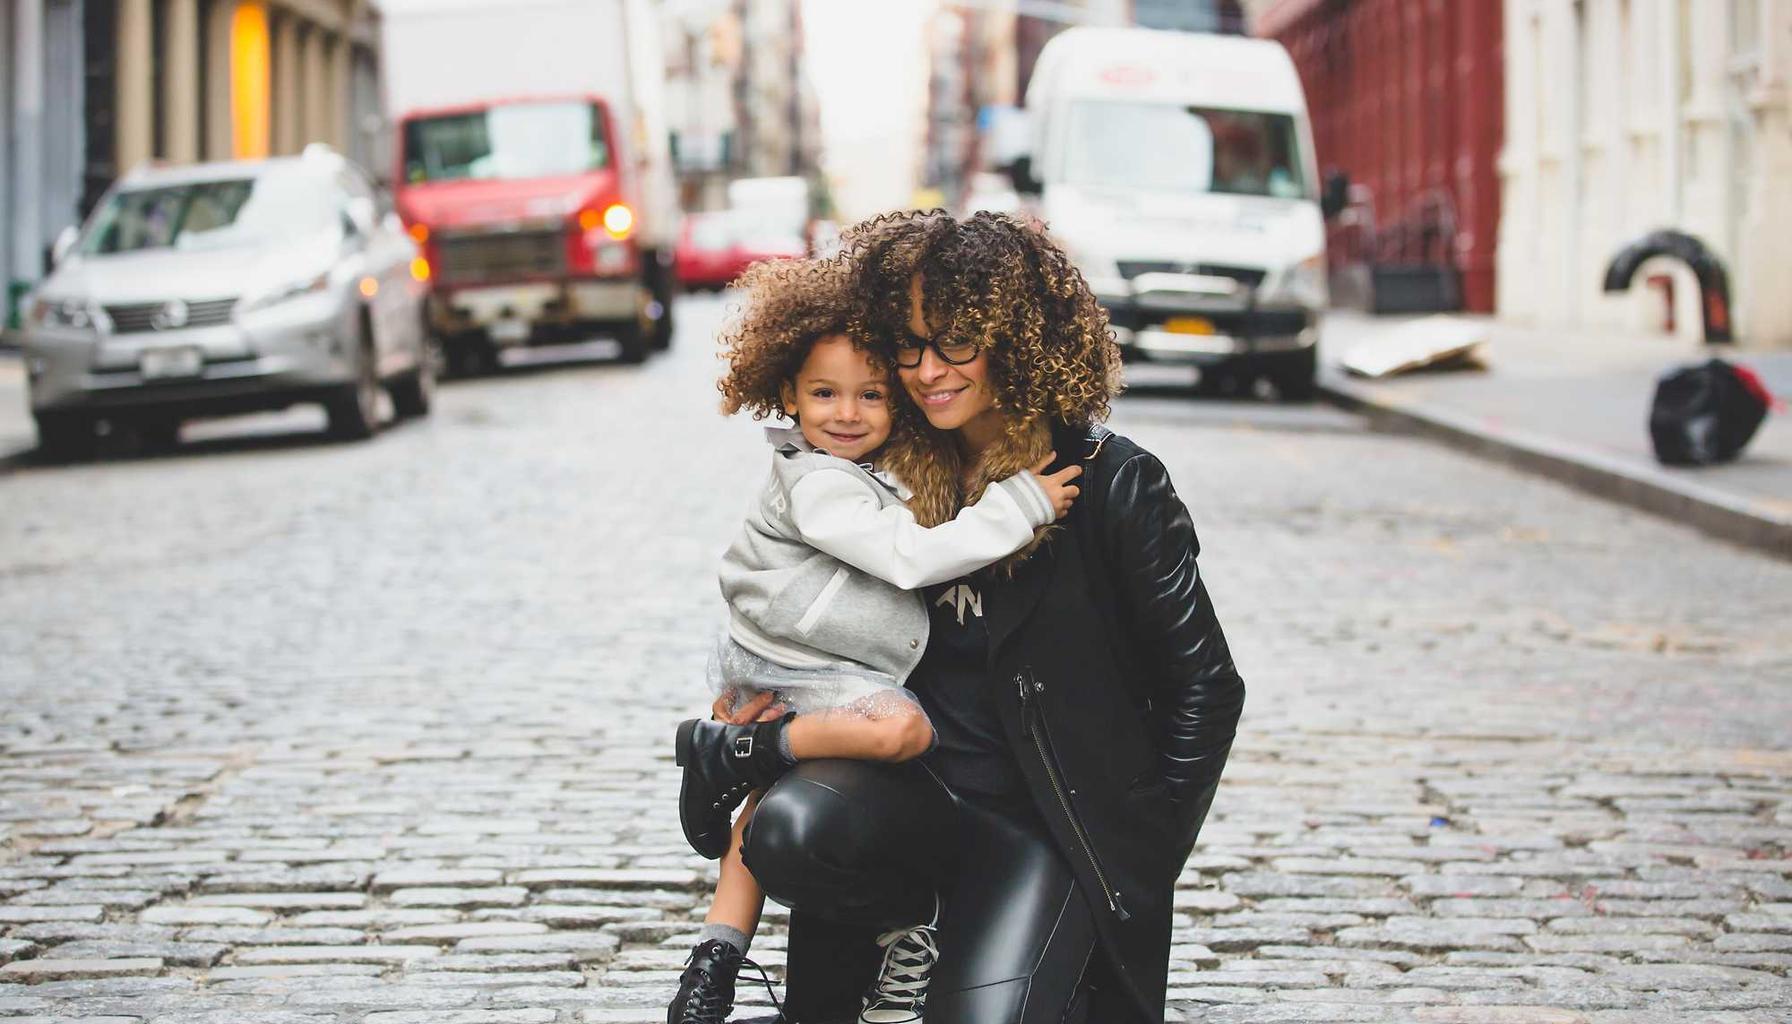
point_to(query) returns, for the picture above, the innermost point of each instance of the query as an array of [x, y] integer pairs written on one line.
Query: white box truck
[[1177, 170], [532, 165]]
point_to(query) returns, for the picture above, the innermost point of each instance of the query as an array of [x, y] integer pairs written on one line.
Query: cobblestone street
[[294, 731]]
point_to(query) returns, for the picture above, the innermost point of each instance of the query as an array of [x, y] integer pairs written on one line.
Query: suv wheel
[[413, 392], [355, 408], [65, 437]]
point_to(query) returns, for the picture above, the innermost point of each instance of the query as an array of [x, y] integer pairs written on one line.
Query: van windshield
[[1165, 147], [511, 140]]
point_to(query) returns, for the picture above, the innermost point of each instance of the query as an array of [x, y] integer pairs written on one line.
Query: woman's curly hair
[[788, 306], [1001, 284]]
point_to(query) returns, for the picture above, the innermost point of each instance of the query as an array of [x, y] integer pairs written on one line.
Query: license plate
[[510, 330], [163, 363], [1189, 325]]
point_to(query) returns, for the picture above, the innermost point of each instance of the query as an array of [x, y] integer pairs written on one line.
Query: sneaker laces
[[909, 954]]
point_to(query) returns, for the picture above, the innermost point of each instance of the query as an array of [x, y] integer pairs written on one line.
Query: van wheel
[[1296, 378], [354, 410], [161, 434], [65, 437]]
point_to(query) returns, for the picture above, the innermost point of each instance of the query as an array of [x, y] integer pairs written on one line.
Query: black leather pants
[[857, 847]]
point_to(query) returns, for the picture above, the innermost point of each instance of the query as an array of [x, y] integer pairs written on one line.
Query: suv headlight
[[289, 291], [67, 314], [1303, 284]]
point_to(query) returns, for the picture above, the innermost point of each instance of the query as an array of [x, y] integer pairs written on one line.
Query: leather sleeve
[[1195, 691]]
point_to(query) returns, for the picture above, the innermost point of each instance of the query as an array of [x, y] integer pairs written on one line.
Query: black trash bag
[[1706, 413]]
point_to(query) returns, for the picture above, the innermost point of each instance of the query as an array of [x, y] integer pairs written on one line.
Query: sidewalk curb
[[1720, 515]]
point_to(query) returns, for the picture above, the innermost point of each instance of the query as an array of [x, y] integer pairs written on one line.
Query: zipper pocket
[[1033, 725], [817, 607]]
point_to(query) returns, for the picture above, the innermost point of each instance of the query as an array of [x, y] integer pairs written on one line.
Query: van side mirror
[[1336, 194], [65, 244], [1020, 172]]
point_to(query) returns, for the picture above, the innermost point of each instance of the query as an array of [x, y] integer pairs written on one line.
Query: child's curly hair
[[1002, 285], [789, 306]]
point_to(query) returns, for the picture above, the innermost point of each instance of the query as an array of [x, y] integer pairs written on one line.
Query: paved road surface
[[293, 731]]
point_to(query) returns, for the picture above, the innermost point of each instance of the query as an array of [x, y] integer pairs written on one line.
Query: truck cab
[[540, 189], [524, 210], [1177, 171]]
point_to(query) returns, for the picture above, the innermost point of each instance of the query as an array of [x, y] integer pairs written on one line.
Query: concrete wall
[[1625, 116], [40, 136]]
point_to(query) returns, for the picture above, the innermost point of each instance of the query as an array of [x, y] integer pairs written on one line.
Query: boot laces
[[706, 1003], [909, 955]]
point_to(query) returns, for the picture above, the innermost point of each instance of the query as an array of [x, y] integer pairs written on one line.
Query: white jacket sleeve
[[836, 513]]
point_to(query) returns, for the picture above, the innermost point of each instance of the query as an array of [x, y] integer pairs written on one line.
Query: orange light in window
[[251, 89], [369, 287], [420, 269], [619, 220], [420, 232]]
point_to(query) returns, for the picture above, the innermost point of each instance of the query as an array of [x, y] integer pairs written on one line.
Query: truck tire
[[635, 338], [354, 409], [469, 355], [663, 285], [65, 437]]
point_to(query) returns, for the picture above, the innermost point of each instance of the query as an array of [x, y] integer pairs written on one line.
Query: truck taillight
[[420, 233]]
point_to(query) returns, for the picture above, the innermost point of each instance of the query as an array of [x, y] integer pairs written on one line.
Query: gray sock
[[784, 746], [733, 936]]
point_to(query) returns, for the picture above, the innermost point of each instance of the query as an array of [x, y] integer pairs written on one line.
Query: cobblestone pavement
[[303, 732]]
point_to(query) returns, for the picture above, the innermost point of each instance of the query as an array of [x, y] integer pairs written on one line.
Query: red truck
[[540, 190]]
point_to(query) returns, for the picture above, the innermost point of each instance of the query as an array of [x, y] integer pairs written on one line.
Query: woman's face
[[952, 397]]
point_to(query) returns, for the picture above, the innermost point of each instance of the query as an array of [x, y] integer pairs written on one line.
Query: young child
[[823, 618]]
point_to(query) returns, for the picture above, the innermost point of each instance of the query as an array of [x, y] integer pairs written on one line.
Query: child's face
[[840, 400]]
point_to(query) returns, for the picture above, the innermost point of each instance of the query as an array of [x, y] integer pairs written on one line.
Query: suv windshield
[[514, 140], [1170, 148], [275, 206]]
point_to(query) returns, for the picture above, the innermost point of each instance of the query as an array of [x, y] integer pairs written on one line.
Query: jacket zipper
[[1042, 742]]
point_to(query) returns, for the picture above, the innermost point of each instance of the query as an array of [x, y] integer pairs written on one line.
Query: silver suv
[[228, 287]]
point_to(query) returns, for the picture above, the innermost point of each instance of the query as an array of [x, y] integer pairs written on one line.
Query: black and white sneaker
[[900, 991]]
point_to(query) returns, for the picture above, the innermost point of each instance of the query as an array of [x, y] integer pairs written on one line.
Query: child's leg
[[738, 900], [892, 734]]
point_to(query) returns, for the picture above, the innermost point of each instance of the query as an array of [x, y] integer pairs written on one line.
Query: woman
[[1082, 691]]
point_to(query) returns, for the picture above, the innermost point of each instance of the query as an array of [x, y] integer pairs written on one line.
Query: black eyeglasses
[[955, 353]]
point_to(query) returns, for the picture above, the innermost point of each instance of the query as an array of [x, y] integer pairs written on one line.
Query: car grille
[[1250, 277], [139, 317], [467, 258]]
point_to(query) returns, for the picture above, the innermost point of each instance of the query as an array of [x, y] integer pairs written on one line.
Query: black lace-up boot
[[722, 764], [706, 989]]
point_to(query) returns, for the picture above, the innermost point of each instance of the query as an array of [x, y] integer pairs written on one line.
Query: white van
[[1177, 170]]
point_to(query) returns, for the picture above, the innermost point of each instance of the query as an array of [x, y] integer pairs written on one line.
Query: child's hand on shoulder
[[1058, 487]]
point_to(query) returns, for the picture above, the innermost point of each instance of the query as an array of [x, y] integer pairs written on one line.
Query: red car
[[715, 246]]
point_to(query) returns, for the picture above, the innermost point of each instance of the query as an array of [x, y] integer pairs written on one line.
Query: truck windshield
[[1169, 148], [509, 140], [276, 206], [512, 140]]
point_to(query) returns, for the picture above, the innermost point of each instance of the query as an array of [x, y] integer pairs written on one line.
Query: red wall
[[1407, 98]]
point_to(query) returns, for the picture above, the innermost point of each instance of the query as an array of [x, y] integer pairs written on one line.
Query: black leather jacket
[[1122, 699]]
